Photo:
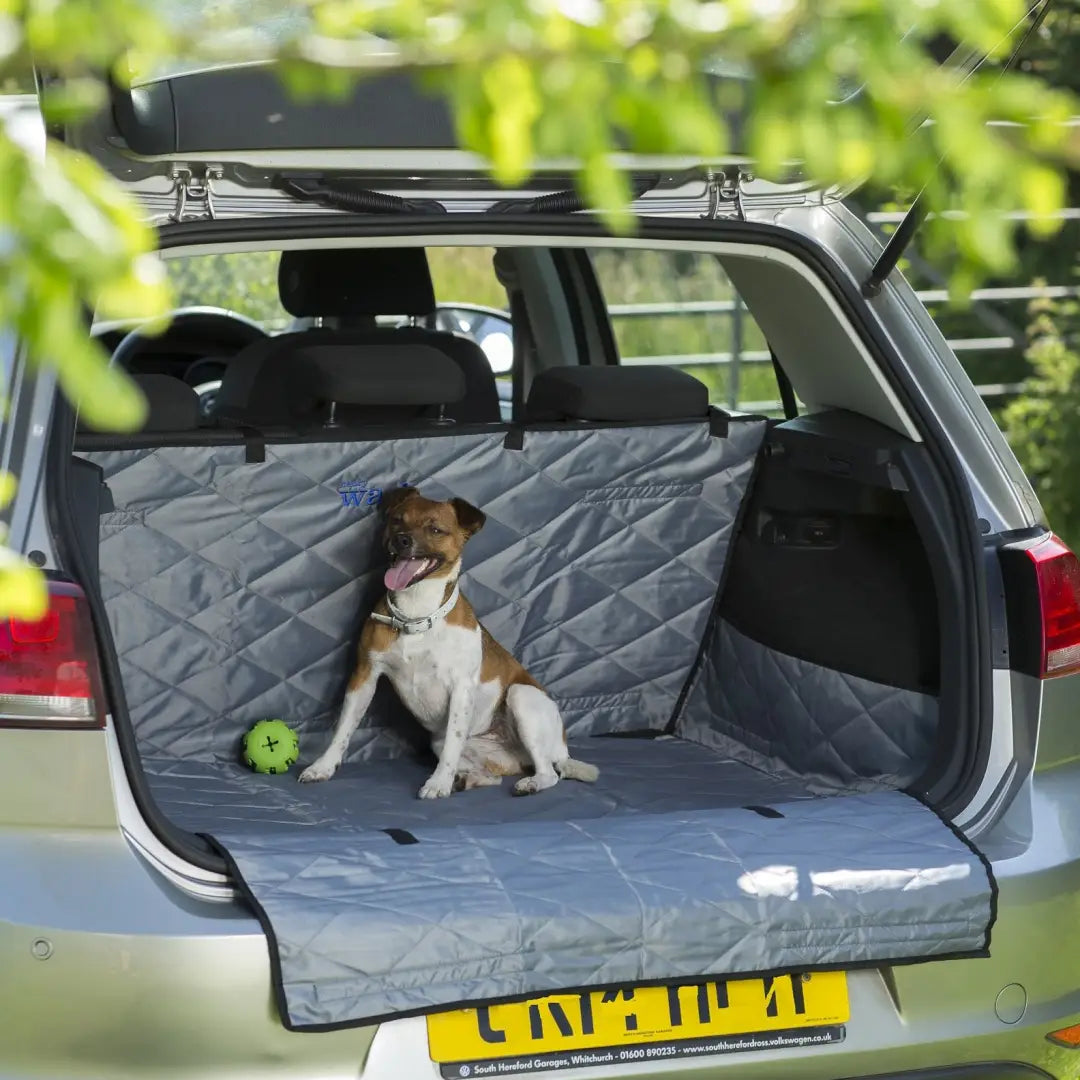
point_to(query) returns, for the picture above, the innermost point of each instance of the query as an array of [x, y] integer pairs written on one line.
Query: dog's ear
[[469, 518], [393, 498]]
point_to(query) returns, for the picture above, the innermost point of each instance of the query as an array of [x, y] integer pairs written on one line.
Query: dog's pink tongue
[[401, 573]]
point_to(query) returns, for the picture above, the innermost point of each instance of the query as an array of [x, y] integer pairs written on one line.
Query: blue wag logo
[[356, 494]]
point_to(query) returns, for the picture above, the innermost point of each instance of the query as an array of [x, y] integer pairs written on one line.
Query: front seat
[[349, 288], [171, 405]]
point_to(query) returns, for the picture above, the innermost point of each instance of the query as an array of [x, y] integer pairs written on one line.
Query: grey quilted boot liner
[[367, 925], [234, 592], [789, 717]]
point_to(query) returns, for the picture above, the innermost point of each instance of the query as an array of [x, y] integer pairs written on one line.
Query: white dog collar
[[398, 621]]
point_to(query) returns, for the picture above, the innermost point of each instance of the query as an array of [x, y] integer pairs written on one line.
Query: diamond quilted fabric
[[365, 927], [235, 592], [789, 717]]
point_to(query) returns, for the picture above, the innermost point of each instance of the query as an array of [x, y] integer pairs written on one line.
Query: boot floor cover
[[235, 589], [675, 864]]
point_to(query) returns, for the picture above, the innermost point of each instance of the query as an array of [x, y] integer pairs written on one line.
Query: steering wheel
[[223, 332]]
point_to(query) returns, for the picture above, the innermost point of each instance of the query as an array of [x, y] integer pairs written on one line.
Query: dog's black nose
[[401, 541]]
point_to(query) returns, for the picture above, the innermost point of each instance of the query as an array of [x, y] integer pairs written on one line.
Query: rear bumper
[[141, 979]]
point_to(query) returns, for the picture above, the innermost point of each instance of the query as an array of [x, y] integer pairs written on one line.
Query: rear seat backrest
[[283, 382], [375, 384], [351, 287], [172, 405], [643, 393]]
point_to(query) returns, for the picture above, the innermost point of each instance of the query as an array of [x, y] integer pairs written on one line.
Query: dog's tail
[[577, 770]]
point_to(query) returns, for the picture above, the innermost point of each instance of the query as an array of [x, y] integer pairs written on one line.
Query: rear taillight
[[1057, 573], [49, 669]]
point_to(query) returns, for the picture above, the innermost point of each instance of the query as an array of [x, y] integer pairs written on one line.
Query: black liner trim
[[787, 391], [254, 445], [960, 835], [341, 1025], [515, 438], [764, 811], [401, 836], [719, 422]]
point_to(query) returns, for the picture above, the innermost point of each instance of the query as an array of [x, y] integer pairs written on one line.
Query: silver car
[[747, 521]]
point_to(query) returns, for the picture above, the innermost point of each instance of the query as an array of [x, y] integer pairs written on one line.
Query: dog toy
[[271, 746]]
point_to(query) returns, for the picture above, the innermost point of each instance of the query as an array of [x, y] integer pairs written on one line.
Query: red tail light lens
[[1057, 571], [49, 669]]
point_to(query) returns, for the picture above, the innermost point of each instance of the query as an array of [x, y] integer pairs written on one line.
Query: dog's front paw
[[319, 770], [438, 786]]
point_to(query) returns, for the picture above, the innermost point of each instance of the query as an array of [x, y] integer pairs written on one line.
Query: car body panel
[[139, 971]]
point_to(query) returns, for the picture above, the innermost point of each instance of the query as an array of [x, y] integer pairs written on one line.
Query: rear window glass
[[679, 308], [246, 282]]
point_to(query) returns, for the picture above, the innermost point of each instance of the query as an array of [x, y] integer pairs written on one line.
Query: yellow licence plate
[[644, 1024]]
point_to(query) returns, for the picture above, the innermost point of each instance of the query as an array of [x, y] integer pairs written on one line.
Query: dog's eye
[[435, 530]]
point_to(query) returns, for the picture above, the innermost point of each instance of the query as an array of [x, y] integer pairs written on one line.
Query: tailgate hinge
[[727, 188], [194, 193]]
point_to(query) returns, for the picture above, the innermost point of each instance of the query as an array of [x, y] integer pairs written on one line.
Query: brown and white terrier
[[487, 716]]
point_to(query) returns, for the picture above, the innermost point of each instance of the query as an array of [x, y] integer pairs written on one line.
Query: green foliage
[[566, 76], [466, 275], [245, 282], [1041, 423]]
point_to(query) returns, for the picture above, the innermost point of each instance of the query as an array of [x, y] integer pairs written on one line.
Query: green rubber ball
[[271, 746]]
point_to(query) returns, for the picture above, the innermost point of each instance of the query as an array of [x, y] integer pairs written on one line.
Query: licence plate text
[[639, 1024]]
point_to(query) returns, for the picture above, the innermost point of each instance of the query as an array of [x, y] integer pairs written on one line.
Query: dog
[[487, 716]]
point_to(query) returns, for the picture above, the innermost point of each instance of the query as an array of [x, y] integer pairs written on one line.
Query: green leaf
[[8, 486], [23, 591], [607, 188], [1044, 195], [514, 106]]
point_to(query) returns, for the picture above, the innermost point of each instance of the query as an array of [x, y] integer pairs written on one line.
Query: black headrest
[[343, 282], [173, 405], [641, 392], [380, 374]]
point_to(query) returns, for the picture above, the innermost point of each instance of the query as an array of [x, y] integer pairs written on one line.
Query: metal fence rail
[[737, 356]]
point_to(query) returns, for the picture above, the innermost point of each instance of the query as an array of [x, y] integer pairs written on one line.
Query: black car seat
[[348, 288], [172, 405]]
